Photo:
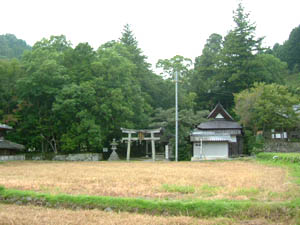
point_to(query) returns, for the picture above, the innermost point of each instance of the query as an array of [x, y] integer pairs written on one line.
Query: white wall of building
[[210, 150]]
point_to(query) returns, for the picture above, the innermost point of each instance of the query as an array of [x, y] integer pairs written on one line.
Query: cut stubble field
[[24, 215], [241, 180]]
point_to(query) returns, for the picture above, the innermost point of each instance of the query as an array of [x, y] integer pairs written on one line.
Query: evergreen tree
[[238, 57], [207, 66], [129, 41], [152, 86]]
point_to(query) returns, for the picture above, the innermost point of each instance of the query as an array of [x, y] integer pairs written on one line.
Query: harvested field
[[205, 180], [24, 215]]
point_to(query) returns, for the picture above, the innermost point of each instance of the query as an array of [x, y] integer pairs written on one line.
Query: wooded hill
[[66, 99], [11, 47]]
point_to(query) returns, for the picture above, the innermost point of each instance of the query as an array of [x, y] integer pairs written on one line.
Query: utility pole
[[176, 116]]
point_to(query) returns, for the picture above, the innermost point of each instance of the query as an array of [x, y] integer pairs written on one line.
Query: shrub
[[254, 144]]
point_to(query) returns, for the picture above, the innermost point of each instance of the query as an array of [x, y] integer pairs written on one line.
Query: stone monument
[[114, 156]]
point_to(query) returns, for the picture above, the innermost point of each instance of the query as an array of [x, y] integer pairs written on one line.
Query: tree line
[[61, 98]]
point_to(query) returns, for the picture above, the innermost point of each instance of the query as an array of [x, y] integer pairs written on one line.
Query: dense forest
[[61, 98], [11, 47]]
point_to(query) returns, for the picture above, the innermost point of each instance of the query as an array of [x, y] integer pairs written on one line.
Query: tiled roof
[[209, 136], [5, 127], [4, 144], [219, 124]]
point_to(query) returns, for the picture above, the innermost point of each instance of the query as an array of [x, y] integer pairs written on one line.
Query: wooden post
[[128, 146], [147, 151], [167, 152], [201, 150], [153, 146]]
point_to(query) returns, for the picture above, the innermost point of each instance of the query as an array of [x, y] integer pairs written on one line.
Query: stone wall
[[70, 157], [79, 157], [11, 157], [281, 146]]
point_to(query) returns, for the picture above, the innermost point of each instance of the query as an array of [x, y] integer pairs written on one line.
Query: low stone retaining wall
[[79, 157], [71, 157], [281, 146], [11, 157]]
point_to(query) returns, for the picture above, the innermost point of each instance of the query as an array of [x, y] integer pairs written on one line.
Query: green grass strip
[[177, 188], [284, 157], [197, 208]]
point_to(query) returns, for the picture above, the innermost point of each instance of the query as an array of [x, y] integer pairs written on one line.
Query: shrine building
[[218, 138]]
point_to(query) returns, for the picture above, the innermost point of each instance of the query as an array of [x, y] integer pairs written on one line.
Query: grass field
[[240, 180], [24, 215]]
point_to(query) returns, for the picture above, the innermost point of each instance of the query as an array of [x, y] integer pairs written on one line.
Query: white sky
[[163, 28]]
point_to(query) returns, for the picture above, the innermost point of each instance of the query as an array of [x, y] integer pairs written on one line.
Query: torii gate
[[141, 137]]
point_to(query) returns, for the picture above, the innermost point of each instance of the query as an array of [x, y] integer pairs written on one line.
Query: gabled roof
[[5, 127], [8, 145], [221, 120], [219, 111]]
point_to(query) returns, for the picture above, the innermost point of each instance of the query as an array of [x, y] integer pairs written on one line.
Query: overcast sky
[[163, 28]]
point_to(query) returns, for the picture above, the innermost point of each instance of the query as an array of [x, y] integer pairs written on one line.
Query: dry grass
[[211, 180], [24, 215]]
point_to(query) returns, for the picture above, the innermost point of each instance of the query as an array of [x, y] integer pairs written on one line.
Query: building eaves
[[219, 124], [4, 144], [5, 127]]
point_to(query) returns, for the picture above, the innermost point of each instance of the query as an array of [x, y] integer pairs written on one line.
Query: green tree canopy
[[182, 66], [234, 64], [266, 106], [187, 120], [10, 72]]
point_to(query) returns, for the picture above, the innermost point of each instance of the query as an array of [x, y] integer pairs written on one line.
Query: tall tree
[[152, 85], [37, 90], [121, 101], [75, 107], [208, 62], [178, 64], [10, 72], [182, 66], [135, 53], [207, 66], [238, 57], [293, 49]]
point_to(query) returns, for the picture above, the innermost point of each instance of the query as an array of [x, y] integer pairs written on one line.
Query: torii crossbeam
[[141, 137]]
